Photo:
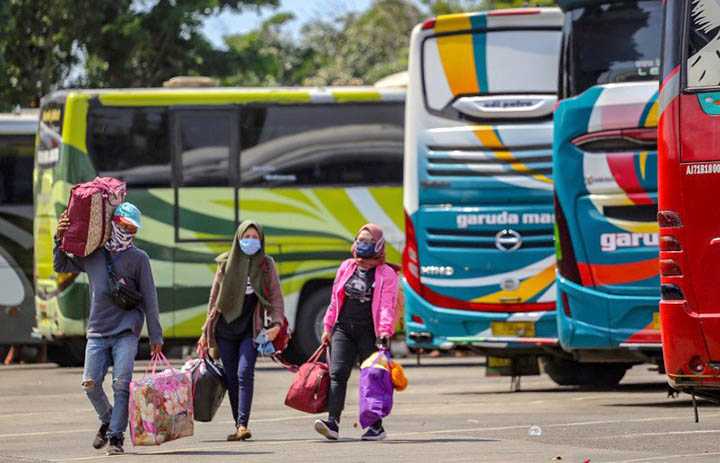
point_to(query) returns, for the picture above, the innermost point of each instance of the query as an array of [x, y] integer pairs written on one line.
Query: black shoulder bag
[[121, 294]]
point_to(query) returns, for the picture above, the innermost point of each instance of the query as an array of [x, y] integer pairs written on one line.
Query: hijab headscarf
[[377, 236], [238, 268], [120, 239]]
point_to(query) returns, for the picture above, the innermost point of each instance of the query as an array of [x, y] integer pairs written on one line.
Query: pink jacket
[[383, 302]]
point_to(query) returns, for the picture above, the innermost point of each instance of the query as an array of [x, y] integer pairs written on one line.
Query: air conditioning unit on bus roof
[[191, 81]]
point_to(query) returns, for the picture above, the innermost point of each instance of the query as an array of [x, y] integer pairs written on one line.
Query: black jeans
[[349, 341]]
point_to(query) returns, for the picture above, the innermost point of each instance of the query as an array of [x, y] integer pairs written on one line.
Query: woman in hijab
[[361, 312], [246, 288]]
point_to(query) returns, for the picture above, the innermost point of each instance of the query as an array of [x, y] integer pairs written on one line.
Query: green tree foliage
[[140, 47], [351, 49], [116, 43], [438, 7], [139, 43], [267, 55], [363, 47], [37, 50]]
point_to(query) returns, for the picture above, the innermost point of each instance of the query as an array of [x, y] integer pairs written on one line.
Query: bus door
[[699, 146], [205, 146]]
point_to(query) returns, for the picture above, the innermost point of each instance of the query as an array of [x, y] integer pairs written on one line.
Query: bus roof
[[230, 95], [23, 123], [512, 17], [567, 5]]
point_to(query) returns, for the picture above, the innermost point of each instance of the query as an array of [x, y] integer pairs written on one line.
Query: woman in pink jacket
[[361, 312]]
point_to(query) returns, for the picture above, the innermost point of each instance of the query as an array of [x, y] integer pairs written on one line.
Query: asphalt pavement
[[450, 413]]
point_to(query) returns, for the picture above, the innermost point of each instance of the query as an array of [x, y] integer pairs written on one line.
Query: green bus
[[311, 164], [17, 306]]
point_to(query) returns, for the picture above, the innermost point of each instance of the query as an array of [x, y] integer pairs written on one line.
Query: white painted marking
[[666, 433], [47, 433], [668, 457]]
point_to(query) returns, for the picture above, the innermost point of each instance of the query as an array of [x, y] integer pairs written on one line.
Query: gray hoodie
[[107, 319]]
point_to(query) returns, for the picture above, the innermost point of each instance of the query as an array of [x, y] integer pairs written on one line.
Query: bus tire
[[308, 327], [67, 353], [565, 372]]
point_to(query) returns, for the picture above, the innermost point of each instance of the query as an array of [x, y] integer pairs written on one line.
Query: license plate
[[656, 321], [519, 329], [515, 366], [499, 362]]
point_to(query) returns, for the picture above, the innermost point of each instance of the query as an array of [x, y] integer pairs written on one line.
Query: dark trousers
[[349, 342], [238, 358]]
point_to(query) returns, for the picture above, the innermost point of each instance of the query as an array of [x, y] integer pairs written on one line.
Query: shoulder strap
[[280, 360], [108, 263]]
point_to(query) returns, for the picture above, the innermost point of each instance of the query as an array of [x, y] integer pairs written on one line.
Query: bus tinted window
[[500, 62], [16, 166], [130, 143], [317, 145], [612, 42], [205, 140], [703, 64]]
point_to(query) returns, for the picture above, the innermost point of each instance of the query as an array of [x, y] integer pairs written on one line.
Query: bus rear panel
[[688, 178], [479, 261], [605, 163]]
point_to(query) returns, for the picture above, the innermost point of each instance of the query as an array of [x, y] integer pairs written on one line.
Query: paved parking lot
[[450, 412]]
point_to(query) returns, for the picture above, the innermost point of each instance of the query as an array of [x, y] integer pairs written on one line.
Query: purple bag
[[376, 389]]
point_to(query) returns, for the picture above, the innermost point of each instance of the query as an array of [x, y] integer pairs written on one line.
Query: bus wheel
[[68, 353], [566, 372], [309, 326]]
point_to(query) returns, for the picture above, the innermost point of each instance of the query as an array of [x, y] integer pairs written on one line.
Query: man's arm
[[150, 303], [62, 263]]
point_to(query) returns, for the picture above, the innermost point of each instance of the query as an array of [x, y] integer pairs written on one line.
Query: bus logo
[[508, 240]]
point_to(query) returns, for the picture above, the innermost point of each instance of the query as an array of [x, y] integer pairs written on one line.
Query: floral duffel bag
[[161, 405]]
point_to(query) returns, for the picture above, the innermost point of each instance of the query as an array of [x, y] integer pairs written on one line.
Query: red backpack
[[90, 210], [311, 386]]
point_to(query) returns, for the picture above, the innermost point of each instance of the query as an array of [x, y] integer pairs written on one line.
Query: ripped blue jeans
[[100, 353]]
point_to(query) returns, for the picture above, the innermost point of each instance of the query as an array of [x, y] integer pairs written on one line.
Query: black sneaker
[[374, 433], [115, 447], [101, 439], [328, 428]]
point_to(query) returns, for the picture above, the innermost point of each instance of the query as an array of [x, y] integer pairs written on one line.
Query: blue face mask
[[264, 346], [250, 246], [365, 249]]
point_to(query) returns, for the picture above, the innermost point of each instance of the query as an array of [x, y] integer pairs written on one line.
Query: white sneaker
[[329, 429]]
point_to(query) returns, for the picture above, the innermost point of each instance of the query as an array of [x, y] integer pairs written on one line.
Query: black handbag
[[121, 294], [208, 388]]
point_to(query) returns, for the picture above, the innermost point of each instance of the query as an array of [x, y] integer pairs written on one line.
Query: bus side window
[[321, 145], [16, 165], [205, 141], [703, 44], [131, 144]]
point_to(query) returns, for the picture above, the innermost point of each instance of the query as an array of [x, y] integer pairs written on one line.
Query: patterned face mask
[[120, 239]]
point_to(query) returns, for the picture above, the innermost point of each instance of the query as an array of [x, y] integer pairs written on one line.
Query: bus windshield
[[507, 58], [629, 33]]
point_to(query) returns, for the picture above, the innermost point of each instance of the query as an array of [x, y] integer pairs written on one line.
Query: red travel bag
[[90, 212], [309, 390]]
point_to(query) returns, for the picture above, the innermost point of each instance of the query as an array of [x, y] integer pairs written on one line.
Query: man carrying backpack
[[114, 325]]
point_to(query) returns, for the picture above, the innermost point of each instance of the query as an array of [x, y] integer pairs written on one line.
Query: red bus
[[688, 180]]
